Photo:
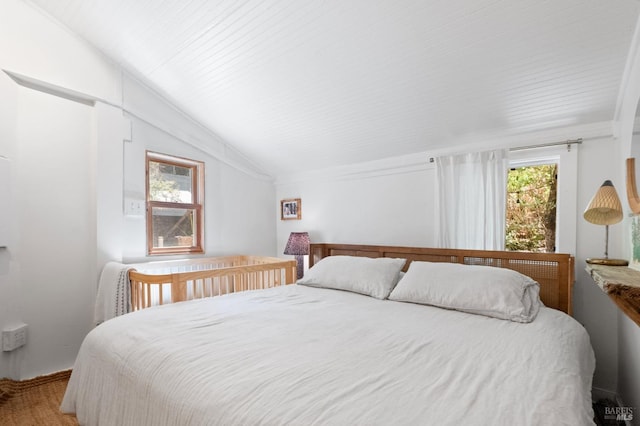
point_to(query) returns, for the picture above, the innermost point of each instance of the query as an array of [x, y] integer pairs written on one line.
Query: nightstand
[[622, 284]]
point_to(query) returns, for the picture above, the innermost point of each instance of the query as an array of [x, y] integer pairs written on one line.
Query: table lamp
[[605, 209], [298, 245]]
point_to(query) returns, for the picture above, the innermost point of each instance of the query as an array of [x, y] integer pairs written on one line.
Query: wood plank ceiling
[[302, 84]]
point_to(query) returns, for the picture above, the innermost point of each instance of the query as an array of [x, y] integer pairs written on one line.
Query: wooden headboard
[[554, 271]]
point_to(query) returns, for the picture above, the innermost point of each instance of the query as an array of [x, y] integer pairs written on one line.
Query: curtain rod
[[568, 143]]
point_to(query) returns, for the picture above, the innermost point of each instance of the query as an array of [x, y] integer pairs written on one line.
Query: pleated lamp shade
[[298, 245], [605, 207]]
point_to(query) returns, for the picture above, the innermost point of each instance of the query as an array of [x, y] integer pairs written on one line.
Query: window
[[175, 198], [531, 208], [566, 192]]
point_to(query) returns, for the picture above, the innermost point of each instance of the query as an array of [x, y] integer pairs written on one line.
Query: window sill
[[622, 284]]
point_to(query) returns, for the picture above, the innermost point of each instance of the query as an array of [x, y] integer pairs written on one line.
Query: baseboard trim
[[599, 393]]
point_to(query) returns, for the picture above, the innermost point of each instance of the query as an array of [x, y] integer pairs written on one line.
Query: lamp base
[[300, 264], [607, 262]]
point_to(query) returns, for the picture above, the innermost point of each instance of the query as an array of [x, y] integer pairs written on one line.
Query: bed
[[310, 354]]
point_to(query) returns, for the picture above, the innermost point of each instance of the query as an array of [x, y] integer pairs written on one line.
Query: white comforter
[[301, 356]]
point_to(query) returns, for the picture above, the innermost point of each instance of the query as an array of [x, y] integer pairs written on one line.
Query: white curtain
[[472, 192]]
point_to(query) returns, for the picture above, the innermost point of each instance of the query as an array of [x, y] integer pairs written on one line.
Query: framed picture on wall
[[291, 209], [634, 262]]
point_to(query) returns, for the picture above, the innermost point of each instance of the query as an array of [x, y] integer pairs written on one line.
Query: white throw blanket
[[114, 293]]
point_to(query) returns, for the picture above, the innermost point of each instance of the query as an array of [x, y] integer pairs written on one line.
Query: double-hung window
[[175, 204]]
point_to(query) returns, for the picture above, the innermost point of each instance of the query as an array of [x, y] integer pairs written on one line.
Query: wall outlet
[[13, 338]]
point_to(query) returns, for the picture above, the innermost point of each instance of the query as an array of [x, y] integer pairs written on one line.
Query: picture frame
[[634, 262], [291, 209]]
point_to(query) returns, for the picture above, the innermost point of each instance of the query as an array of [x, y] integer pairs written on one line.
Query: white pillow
[[484, 290], [374, 277]]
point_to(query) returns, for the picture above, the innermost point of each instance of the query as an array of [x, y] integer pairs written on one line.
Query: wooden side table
[[622, 284]]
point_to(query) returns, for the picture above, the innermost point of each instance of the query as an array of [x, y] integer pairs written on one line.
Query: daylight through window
[[531, 208], [174, 204]]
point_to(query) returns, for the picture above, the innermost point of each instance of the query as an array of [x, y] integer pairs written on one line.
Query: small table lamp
[[298, 245], [605, 209]]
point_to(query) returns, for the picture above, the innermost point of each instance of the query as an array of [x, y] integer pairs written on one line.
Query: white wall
[[69, 176], [57, 238], [379, 208], [107, 174], [628, 333], [9, 286], [33, 45], [50, 141], [628, 364], [592, 307], [238, 214], [238, 197]]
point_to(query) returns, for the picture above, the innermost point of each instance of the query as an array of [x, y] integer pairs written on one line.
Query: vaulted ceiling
[[308, 84]]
